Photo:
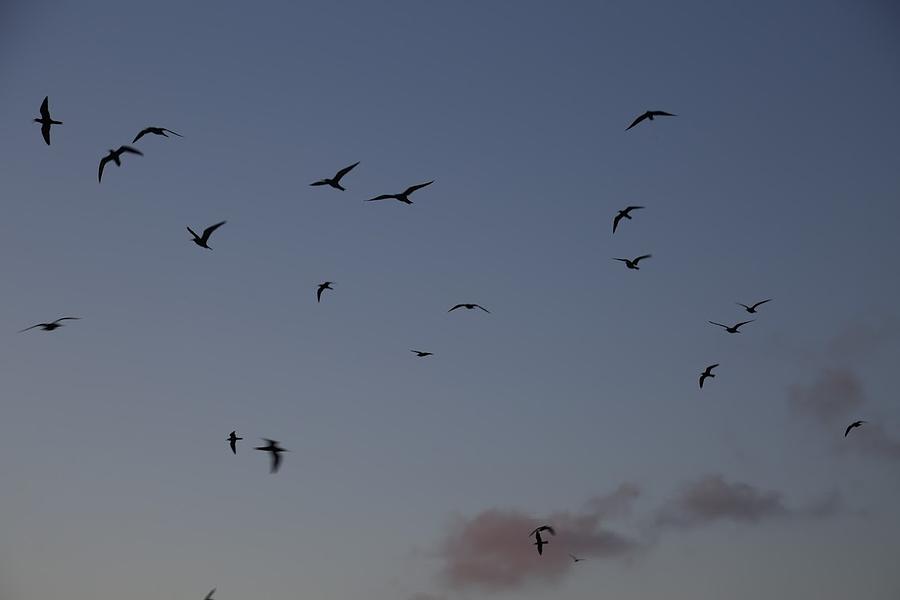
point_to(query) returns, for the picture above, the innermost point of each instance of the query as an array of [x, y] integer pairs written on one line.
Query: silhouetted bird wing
[[744, 305], [319, 293], [413, 188], [344, 171], [320, 182], [210, 594], [45, 131], [761, 302], [719, 324], [743, 323], [618, 218], [702, 377], [141, 134], [193, 233], [640, 258], [32, 327], [103, 162], [482, 308], [628, 209], [209, 230], [849, 427], [172, 132], [66, 319], [276, 461], [383, 197], [661, 113], [455, 307], [129, 149], [45, 108], [636, 121], [624, 260]]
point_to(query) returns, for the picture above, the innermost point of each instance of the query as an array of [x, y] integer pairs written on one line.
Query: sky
[[573, 402]]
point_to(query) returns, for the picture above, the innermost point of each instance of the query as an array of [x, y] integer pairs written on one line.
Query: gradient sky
[[779, 178]]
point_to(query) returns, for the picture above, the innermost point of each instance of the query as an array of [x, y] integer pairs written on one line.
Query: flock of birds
[[273, 446]]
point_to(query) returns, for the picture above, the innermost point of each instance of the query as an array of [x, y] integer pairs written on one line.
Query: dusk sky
[[574, 402]]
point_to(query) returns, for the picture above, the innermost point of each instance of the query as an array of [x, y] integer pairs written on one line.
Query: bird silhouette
[[114, 155], [752, 308], [335, 181], [210, 594], [325, 285], [707, 373], [633, 264], [51, 325], [276, 451], [734, 328], [624, 214], [575, 558], [538, 540], [46, 120], [402, 196], [421, 354], [649, 115], [155, 131], [852, 425], [469, 307], [233, 439], [201, 240]]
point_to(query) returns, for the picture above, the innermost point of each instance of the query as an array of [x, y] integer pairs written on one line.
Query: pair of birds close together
[[271, 447], [540, 542], [403, 196]]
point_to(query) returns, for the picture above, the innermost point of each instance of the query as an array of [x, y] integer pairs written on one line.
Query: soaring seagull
[[575, 558], [276, 451], [469, 307], [201, 240], [335, 181], [46, 121], [51, 325], [325, 285], [734, 328], [649, 115], [852, 425], [155, 131], [624, 214], [422, 354], [538, 540], [233, 439], [633, 264], [114, 155], [402, 196], [752, 308], [707, 373]]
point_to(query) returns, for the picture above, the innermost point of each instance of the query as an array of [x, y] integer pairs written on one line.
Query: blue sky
[[777, 179]]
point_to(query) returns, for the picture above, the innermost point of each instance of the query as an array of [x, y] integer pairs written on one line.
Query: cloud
[[712, 498], [833, 400], [492, 552]]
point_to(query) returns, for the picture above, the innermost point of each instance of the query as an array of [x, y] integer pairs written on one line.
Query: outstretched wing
[[413, 188], [455, 307], [640, 258], [66, 319], [276, 461], [103, 162], [32, 327], [482, 308], [702, 377], [719, 324], [45, 108], [383, 197], [636, 121], [45, 131], [209, 230], [210, 594], [761, 302], [616, 221], [344, 171], [849, 427], [320, 182], [130, 150], [172, 132], [742, 323], [319, 293], [661, 113], [141, 134]]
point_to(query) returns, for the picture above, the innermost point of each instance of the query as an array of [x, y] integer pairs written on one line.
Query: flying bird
[[852, 425], [155, 131], [734, 328], [538, 540], [575, 558], [649, 115], [421, 354], [201, 240], [325, 285], [51, 325], [233, 439], [752, 308], [276, 451], [46, 120], [633, 264], [210, 594], [707, 373], [624, 214], [403, 196], [469, 307], [335, 181], [114, 155]]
